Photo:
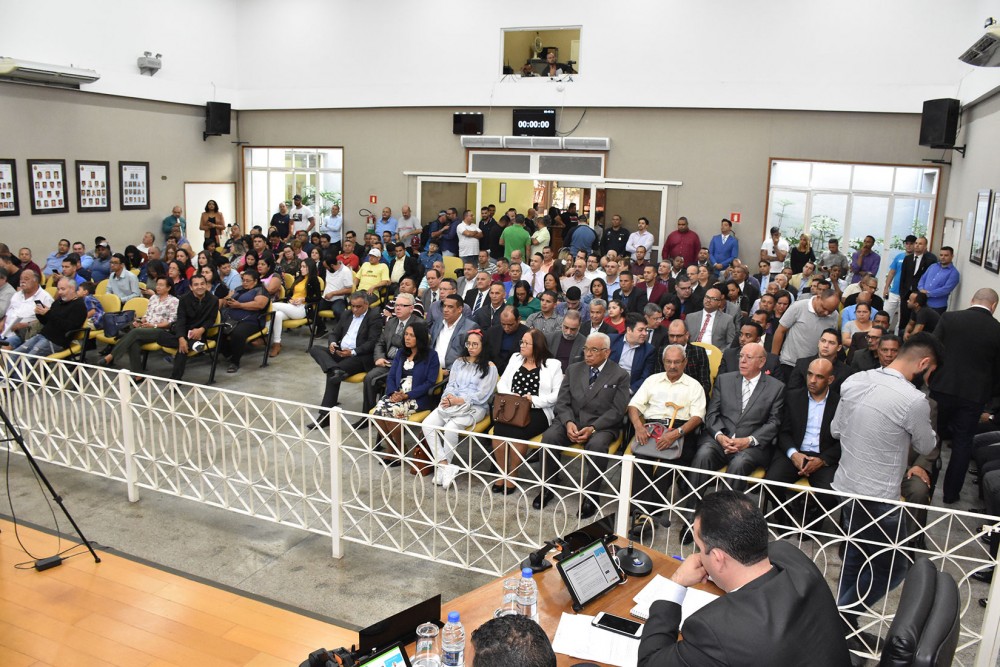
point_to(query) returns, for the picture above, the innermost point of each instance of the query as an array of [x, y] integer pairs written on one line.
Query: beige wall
[[70, 125]]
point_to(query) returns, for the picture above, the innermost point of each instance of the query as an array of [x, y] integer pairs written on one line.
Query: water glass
[[508, 601]]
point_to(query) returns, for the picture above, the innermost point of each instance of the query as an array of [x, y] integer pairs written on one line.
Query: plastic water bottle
[[527, 595], [453, 642]]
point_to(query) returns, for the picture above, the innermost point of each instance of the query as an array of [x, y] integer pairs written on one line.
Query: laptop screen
[[590, 572]]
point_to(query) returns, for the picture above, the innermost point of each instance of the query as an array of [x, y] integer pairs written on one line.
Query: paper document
[[655, 590], [577, 638]]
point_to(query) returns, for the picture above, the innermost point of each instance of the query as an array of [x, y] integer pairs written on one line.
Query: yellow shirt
[[370, 275], [299, 290]]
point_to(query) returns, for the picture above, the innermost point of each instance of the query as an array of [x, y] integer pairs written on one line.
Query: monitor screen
[[590, 572], [394, 656], [534, 123]]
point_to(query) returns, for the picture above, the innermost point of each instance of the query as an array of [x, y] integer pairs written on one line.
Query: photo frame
[[48, 186], [93, 192], [979, 227], [991, 248], [133, 185], [503, 193], [9, 203]]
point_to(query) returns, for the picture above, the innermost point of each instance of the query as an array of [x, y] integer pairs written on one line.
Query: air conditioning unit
[[23, 71], [986, 51], [587, 143], [481, 141], [542, 143]]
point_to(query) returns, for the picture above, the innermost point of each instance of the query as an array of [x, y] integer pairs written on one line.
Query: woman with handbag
[[160, 315], [412, 375], [529, 383], [471, 383]]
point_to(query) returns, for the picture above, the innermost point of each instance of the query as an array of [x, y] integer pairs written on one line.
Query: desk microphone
[[537, 561], [631, 560]]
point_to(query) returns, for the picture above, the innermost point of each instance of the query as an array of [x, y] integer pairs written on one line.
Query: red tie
[[704, 325]]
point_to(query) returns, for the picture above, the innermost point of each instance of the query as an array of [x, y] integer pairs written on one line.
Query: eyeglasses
[[594, 350], [526, 343], [713, 298]]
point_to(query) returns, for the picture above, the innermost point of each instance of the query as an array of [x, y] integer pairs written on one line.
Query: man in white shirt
[[148, 239], [535, 275], [407, 226], [448, 332], [468, 238], [302, 216], [339, 284], [774, 250], [20, 315], [594, 270], [639, 238], [333, 225], [576, 276], [516, 257]]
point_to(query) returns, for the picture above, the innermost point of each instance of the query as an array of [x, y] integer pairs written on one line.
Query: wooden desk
[[477, 607]]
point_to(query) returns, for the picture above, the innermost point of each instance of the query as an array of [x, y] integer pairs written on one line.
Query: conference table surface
[[478, 606]]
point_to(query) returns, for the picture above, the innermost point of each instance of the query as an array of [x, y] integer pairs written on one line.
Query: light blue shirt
[[814, 423], [897, 266], [233, 280], [385, 226], [332, 225], [465, 382], [350, 340]]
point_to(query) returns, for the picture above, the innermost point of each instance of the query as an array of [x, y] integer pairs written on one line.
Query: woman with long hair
[[802, 253], [184, 257], [134, 258], [305, 291], [616, 316], [552, 283], [523, 300], [212, 221], [176, 273], [214, 280], [534, 374], [472, 380], [269, 277], [598, 290], [737, 305], [413, 373]]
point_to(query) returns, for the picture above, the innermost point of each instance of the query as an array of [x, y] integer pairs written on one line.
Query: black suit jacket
[[971, 370], [494, 338], [908, 281], [797, 379], [731, 362], [485, 317], [634, 302], [368, 335], [782, 618], [411, 268], [793, 424], [470, 299]]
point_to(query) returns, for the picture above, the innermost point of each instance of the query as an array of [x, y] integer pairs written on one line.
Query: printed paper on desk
[[577, 638]]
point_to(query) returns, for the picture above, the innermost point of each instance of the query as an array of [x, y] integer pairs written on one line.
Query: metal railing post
[[128, 435], [336, 430], [623, 517]]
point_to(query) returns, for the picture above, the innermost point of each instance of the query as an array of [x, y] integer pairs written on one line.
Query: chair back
[[109, 302], [139, 304], [289, 281], [924, 632], [714, 358], [102, 288], [451, 266]]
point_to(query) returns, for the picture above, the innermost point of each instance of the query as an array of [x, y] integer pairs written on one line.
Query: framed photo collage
[[49, 191]]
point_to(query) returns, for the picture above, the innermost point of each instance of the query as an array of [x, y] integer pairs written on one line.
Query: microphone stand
[[537, 561], [631, 560]]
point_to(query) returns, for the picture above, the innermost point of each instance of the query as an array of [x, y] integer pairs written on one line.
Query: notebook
[[657, 589]]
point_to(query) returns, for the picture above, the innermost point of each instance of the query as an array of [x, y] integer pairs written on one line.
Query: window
[[525, 50], [275, 175], [850, 201]]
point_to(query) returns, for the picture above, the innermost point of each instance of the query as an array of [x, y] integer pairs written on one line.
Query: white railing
[[258, 456]]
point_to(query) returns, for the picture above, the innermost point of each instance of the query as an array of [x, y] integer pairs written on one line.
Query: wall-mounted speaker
[[939, 123], [467, 123], [217, 118]]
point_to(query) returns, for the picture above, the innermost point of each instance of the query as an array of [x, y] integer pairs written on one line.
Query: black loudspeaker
[[467, 123], [939, 123], [217, 118]]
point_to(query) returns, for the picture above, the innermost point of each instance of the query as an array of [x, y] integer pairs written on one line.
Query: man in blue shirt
[[386, 223], [53, 263], [100, 268], [940, 281], [891, 290], [723, 248]]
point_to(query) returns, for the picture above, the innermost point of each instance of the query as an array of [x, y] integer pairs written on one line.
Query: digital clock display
[[535, 122]]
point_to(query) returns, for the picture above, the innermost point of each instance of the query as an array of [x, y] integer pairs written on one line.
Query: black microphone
[[631, 560]]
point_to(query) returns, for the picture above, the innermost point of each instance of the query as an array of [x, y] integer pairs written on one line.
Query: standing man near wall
[[891, 290], [774, 250], [302, 216], [175, 218], [333, 225], [865, 261], [940, 281], [913, 269], [723, 248], [684, 242]]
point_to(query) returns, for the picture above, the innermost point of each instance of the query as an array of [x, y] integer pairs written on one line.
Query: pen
[[678, 558]]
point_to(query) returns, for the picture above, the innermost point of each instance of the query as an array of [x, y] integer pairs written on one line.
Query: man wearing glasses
[[351, 349], [712, 324], [589, 412]]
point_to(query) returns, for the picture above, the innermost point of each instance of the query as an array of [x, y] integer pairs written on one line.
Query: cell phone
[[37, 302], [622, 626]]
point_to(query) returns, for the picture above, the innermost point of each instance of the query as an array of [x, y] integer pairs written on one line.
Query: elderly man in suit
[[777, 610], [742, 421], [389, 342], [750, 332], [631, 351], [351, 350], [480, 296], [589, 412], [964, 384], [448, 333], [712, 324]]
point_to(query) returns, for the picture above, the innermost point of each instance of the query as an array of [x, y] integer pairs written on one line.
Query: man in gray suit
[[712, 324], [566, 345], [390, 342], [742, 421], [448, 333], [434, 311], [589, 412]]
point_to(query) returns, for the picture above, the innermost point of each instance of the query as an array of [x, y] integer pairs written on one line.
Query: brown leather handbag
[[512, 409]]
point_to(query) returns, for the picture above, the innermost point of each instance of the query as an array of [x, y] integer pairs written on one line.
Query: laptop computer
[[589, 573]]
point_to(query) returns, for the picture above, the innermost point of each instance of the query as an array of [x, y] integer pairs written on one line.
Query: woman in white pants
[[305, 290], [471, 383]]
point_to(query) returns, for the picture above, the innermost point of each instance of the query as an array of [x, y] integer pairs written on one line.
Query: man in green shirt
[[516, 237]]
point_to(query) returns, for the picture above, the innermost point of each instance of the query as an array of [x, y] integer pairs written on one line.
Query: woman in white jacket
[[532, 373]]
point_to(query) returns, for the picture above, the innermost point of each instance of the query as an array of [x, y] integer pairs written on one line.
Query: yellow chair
[[134, 272], [212, 337], [714, 358], [77, 348], [289, 281], [109, 302], [51, 290], [102, 288], [451, 265], [309, 319]]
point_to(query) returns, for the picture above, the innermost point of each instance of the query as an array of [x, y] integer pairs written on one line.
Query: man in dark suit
[[655, 291], [913, 268], [631, 351], [488, 314], [351, 349], [633, 299], [750, 332], [742, 421], [598, 309], [777, 610], [965, 383], [589, 411], [504, 338], [829, 348], [566, 345], [712, 324], [448, 333], [806, 448], [389, 342], [411, 265], [480, 296]]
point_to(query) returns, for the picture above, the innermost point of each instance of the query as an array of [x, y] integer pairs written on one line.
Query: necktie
[[746, 394], [593, 376], [434, 296], [399, 328], [479, 302], [704, 326], [916, 265]]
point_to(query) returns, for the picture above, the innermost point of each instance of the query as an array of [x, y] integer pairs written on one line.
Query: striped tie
[[746, 394]]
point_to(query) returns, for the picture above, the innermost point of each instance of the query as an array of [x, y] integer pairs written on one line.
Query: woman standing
[[802, 253], [535, 375], [414, 371], [471, 383], [212, 221], [305, 291]]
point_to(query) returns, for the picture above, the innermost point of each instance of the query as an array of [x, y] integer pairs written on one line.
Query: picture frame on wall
[[133, 185], [49, 193], [979, 227], [93, 191], [9, 203], [991, 248]]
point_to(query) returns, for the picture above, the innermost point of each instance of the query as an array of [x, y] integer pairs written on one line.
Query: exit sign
[[735, 217], [373, 199]]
